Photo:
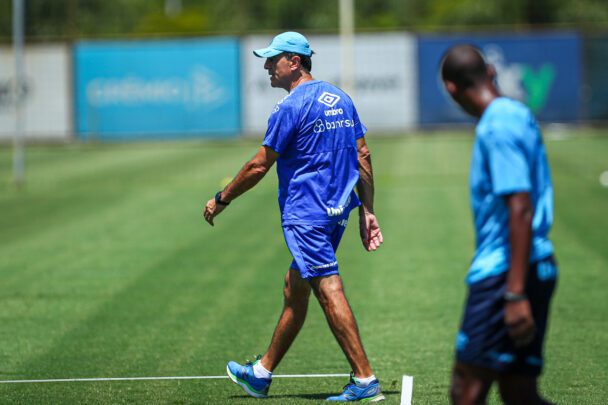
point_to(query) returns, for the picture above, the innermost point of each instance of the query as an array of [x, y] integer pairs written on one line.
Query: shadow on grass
[[307, 396]]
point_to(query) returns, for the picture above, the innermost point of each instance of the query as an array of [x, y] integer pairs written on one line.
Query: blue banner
[[162, 88], [541, 70]]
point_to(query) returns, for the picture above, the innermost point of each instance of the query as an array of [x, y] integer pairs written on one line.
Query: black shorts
[[483, 339]]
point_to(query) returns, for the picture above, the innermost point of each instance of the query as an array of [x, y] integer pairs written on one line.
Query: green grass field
[[109, 270]]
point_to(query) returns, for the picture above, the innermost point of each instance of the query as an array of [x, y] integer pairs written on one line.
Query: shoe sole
[[244, 385], [372, 399]]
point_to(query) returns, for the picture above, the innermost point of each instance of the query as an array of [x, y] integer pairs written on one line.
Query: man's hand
[[519, 321], [212, 210], [370, 231], [253, 171]]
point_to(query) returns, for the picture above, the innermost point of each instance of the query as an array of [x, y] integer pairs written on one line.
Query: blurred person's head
[[468, 79]]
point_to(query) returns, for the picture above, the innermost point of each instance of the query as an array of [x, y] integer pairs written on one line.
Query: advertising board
[[45, 93], [385, 79], [157, 88], [542, 70]]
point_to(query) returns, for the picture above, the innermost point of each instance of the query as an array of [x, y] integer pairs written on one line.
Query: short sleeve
[[281, 128], [360, 129], [508, 163]]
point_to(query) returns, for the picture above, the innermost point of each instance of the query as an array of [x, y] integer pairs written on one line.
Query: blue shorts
[[313, 247], [483, 339]]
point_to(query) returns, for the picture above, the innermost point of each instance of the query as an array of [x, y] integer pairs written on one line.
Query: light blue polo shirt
[[508, 157]]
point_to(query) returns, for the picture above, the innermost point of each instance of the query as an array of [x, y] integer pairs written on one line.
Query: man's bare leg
[[330, 293], [470, 384], [297, 292], [517, 389]]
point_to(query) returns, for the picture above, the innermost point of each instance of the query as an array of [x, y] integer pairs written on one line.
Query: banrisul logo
[[328, 99], [319, 126]]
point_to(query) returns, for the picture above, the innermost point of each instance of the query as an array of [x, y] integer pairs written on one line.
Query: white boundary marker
[[406, 390], [200, 377]]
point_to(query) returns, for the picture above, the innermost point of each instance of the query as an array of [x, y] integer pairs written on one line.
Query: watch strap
[[218, 199]]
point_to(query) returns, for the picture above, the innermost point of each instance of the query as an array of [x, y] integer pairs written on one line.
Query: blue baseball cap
[[286, 42]]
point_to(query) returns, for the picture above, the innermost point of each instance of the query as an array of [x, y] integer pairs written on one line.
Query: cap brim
[[266, 52]]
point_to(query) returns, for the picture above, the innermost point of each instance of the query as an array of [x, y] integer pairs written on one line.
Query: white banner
[[47, 108], [386, 89]]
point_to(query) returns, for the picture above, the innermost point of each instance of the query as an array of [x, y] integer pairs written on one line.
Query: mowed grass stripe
[[107, 216], [170, 305], [93, 261], [101, 179], [83, 242], [172, 345]]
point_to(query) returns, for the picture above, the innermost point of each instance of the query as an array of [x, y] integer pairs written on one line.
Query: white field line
[[200, 377], [406, 390]]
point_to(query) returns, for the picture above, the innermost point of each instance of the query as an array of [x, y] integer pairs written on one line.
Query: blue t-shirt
[[315, 130], [508, 157]]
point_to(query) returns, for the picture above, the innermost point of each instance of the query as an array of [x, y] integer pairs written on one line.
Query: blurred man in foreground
[[316, 138], [513, 273]]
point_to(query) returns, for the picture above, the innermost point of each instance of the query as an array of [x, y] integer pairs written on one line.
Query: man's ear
[[491, 72], [296, 62], [450, 87]]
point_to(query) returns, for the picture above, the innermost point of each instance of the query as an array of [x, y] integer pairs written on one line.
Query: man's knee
[[296, 290], [457, 388], [469, 385], [327, 288]]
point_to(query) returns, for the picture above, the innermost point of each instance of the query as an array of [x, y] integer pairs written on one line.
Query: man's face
[[461, 97], [279, 69]]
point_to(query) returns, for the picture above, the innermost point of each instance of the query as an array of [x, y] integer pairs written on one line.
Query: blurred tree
[[189, 21], [583, 12], [98, 18], [380, 14], [6, 17], [483, 13]]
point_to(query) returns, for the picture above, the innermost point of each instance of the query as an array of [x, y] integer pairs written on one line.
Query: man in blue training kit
[[513, 274], [315, 136]]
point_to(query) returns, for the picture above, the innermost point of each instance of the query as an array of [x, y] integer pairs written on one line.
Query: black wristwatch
[[512, 297], [218, 199]]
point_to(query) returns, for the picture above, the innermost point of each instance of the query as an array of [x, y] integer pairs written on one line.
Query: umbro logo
[[328, 99]]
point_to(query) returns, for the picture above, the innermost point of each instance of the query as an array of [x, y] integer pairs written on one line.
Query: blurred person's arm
[[518, 313]]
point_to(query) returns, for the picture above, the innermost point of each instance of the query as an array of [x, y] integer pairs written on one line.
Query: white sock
[[364, 382], [260, 372]]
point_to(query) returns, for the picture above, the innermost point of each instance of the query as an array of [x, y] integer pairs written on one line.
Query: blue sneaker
[[243, 376], [352, 392]]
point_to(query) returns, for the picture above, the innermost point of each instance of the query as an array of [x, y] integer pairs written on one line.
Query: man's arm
[[518, 314], [248, 176], [368, 224]]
